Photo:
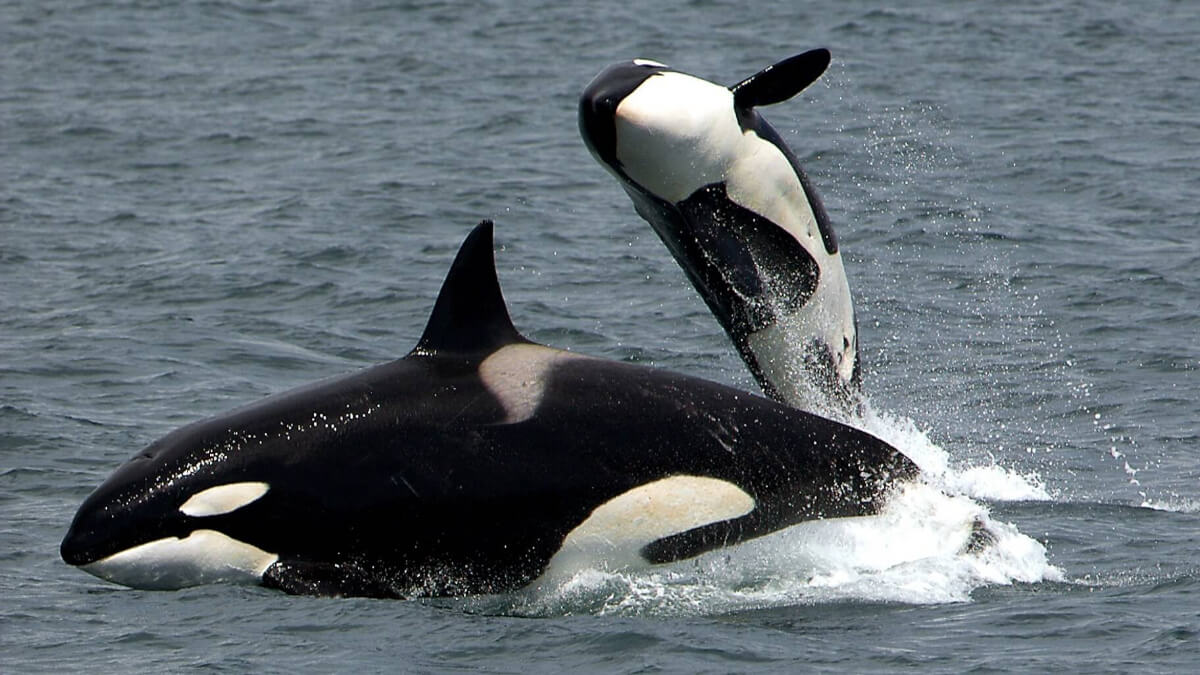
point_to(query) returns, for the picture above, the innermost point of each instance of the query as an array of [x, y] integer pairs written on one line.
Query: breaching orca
[[468, 466], [731, 202]]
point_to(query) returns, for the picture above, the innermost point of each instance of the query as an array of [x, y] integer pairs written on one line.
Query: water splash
[[990, 482], [914, 552], [917, 550]]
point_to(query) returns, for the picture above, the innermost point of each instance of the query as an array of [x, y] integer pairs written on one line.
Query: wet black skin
[[403, 479]]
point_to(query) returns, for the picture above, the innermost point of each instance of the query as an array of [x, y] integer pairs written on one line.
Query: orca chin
[[734, 207], [474, 464], [202, 557]]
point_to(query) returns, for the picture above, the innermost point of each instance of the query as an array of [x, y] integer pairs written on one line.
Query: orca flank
[[470, 466], [736, 210]]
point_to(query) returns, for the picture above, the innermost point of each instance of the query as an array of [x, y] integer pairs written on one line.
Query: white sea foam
[[1173, 504], [917, 550], [990, 481]]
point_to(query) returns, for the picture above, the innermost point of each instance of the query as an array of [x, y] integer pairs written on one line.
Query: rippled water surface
[[203, 203]]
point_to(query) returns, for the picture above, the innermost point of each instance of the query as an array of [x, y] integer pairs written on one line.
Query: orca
[[469, 466], [733, 205]]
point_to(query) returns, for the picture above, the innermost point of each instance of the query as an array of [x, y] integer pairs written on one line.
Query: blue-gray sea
[[202, 203]]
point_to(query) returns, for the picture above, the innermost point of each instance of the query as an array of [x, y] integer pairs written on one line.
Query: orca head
[[173, 515], [225, 498], [600, 100], [669, 133]]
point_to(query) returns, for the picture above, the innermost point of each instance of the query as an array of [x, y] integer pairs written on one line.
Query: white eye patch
[[223, 499], [648, 63]]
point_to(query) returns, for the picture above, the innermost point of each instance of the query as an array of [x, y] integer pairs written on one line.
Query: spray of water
[[917, 550]]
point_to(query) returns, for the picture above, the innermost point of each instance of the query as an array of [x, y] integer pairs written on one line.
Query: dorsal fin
[[781, 81], [470, 316]]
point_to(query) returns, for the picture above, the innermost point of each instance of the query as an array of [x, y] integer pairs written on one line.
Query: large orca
[[733, 205], [468, 466]]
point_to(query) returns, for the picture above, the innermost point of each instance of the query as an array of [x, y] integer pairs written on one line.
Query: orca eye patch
[[223, 499], [648, 63]]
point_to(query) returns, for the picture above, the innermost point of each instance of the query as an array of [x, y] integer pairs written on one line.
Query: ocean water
[[203, 203]]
